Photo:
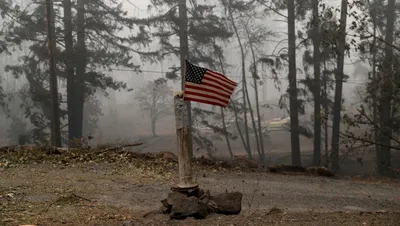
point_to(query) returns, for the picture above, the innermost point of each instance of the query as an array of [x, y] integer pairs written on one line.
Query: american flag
[[206, 86]]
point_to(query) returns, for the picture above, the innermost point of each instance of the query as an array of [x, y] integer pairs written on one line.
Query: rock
[[170, 200], [199, 203], [184, 207], [195, 192], [165, 210], [228, 203]]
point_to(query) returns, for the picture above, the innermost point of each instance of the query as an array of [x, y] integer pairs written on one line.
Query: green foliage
[[205, 30], [105, 48]]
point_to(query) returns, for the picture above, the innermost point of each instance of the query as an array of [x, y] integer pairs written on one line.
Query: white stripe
[[206, 93], [216, 77], [205, 98], [211, 88], [206, 81], [219, 77]]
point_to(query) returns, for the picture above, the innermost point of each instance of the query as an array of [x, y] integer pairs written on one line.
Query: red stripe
[[223, 77], [213, 79], [217, 87], [206, 89], [217, 78], [204, 101], [206, 96]]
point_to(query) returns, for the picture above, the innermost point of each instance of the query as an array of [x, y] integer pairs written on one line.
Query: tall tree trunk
[[383, 156], [228, 143], [326, 116], [374, 80], [244, 82], [253, 122], [245, 144], [337, 106], [317, 85], [259, 128], [69, 65], [80, 69], [153, 112], [184, 54], [294, 118], [153, 127], [55, 112]]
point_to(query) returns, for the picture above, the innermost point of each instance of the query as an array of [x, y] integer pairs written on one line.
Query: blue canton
[[194, 74]]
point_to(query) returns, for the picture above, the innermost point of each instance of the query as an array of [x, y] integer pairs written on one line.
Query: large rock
[[228, 203], [198, 204], [189, 207], [182, 205]]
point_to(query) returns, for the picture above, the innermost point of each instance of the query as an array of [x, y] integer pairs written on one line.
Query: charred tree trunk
[[383, 155], [55, 112], [69, 68], [374, 80], [337, 106], [80, 69], [294, 118], [326, 116], [317, 85]]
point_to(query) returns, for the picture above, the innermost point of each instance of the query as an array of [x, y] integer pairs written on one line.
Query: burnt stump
[[199, 204]]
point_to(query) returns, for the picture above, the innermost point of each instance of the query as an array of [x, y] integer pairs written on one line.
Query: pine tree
[[104, 49], [205, 29]]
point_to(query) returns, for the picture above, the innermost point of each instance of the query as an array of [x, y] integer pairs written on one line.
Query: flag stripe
[[208, 88], [219, 81], [207, 81], [205, 100], [223, 77], [205, 94], [213, 85]]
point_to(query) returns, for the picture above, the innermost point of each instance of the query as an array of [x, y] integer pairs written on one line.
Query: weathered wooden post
[[183, 141]]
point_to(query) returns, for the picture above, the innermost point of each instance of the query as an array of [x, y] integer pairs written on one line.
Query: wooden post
[[183, 141]]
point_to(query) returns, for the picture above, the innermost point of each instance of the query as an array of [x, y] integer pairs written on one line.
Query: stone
[[228, 203], [165, 210], [199, 204], [184, 207]]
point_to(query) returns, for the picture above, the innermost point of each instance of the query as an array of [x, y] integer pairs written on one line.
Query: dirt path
[[110, 193]]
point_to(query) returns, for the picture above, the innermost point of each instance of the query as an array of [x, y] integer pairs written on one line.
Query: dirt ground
[[121, 192]]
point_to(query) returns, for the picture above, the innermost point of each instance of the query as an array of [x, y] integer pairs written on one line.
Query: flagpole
[[183, 140], [189, 109]]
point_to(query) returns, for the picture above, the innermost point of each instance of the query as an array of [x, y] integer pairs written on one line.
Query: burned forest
[[199, 112]]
